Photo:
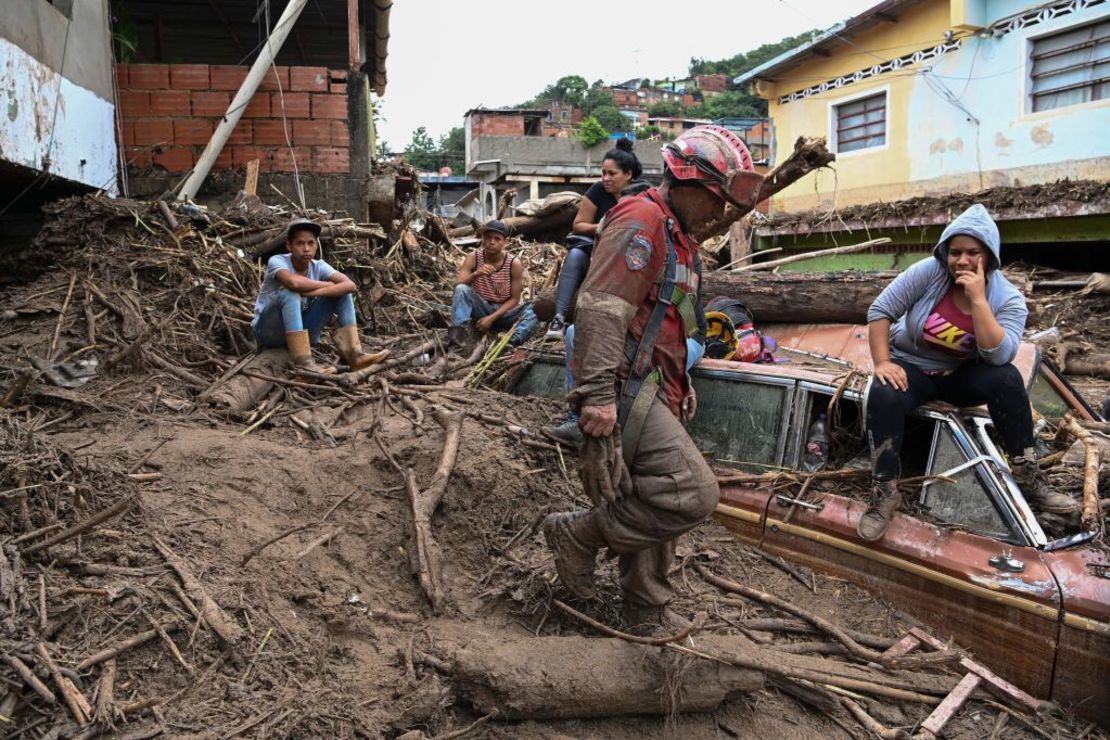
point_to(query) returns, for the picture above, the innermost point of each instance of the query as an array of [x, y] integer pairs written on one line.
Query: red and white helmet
[[719, 160]]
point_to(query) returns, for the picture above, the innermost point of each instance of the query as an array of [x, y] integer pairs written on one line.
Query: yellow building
[[932, 97]]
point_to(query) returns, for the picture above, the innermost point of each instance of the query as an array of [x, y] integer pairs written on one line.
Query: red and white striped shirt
[[498, 287]]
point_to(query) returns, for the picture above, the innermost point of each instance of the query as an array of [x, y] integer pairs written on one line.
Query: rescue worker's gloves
[[605, 477], [689, 407]]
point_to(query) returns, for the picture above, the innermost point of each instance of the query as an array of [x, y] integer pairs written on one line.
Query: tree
[[610, 117], [422, 152], [665, 109], [591, 132], [452, 150], [596, 97], [382, 150]]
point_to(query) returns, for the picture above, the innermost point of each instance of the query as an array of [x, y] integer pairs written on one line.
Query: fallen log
[[241, 393], [1098, 366], [579, 677], [558, 221], [801, 297]]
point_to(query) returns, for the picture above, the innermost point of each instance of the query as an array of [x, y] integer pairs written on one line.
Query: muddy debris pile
[[360, 555]]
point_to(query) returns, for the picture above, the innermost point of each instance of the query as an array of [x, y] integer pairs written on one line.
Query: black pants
[[999, 386], [573, 273]]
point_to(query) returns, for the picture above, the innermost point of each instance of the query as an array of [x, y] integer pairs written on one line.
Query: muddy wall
[[548, 156], [58, 106]]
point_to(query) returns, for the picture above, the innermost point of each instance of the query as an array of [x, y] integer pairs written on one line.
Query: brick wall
[[486, 124], [169, 112]]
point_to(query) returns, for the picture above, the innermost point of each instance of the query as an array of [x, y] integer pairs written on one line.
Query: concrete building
[[59, 125], [505, 149], [311, 120], [1002, 94]]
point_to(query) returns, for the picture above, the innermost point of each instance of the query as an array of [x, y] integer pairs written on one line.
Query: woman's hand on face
[[974, 283], [892, 374]]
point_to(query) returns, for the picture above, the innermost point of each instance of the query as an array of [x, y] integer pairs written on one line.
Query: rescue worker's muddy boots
[[300, 353], [350, 349], [1027, 474], [644, 620], [574, 539], [885, 500], [567, 433]]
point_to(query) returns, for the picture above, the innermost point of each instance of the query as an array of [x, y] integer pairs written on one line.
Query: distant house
[[676, 125], [512, 149], [928, 97]]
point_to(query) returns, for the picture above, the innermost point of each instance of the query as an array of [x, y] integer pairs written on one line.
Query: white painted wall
[[46, 118]]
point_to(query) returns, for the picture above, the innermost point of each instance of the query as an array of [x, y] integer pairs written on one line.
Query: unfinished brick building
[[312, 115]]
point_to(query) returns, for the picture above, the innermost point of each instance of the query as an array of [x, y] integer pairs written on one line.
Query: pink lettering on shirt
[[949, 329]]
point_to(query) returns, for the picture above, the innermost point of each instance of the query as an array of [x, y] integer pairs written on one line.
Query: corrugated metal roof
[[884, 12]]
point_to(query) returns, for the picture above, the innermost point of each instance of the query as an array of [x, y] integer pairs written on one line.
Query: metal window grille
[[1071, 67], [861, 124]]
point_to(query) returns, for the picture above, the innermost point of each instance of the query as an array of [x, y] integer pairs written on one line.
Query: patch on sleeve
[[638, 252]]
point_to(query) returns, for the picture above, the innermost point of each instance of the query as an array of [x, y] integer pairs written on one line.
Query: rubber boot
[[300, 353], [567, 433], [574, 539], [1027, 474], [458, 337], [350, 349], [885, 500], [646, 620]]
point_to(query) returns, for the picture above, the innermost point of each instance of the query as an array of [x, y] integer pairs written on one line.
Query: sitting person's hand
[[892, 374], [484, 324], [487, 269]]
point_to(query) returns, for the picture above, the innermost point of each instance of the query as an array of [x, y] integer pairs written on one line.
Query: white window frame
[[835, 103], [1027, 77]]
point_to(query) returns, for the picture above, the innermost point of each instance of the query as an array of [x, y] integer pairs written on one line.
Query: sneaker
[[557, 329]]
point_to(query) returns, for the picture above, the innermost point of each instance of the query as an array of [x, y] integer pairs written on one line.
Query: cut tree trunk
[[578, 677], [242, 393], [1098, 366], [558, 222], [801, 297]]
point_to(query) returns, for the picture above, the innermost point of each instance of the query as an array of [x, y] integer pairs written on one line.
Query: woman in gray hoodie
[[948, 329]]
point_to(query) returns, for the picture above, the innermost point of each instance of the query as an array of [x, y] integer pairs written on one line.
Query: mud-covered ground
[[267, 562]]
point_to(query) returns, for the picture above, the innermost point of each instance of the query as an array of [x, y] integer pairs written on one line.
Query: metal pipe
[[242, 98]]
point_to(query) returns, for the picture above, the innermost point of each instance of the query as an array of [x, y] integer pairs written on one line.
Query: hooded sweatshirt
[[912, 296]]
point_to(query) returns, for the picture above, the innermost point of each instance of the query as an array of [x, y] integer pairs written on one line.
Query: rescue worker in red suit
[[645, 476]]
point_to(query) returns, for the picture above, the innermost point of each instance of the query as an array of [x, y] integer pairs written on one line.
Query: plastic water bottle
[[816, 454]]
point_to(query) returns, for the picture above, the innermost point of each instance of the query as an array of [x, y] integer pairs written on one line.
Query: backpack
[[730, 332]]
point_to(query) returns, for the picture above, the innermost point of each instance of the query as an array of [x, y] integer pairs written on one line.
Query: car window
[[963, 501], [739, 421], [543, 378], [1047, 400]]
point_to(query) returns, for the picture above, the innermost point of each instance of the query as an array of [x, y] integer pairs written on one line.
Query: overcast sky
[[448, 56]]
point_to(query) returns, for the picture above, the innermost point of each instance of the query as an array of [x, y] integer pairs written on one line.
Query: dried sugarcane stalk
[[78, 705], [30, 678], [112, 511]]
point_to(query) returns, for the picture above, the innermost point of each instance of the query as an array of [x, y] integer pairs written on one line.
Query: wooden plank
[[928, 639], [935, 722], [250, 186], [907, 644], [354, 50], [1001, 686]]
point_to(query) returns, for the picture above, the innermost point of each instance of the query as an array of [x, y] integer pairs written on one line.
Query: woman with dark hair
[[620, 170], [948, 329]]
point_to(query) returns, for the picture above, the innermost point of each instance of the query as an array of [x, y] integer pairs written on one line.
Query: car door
[[973, 578], [741, 426]]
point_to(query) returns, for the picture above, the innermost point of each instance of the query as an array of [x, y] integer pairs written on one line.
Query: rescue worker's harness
[[642, 385]]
